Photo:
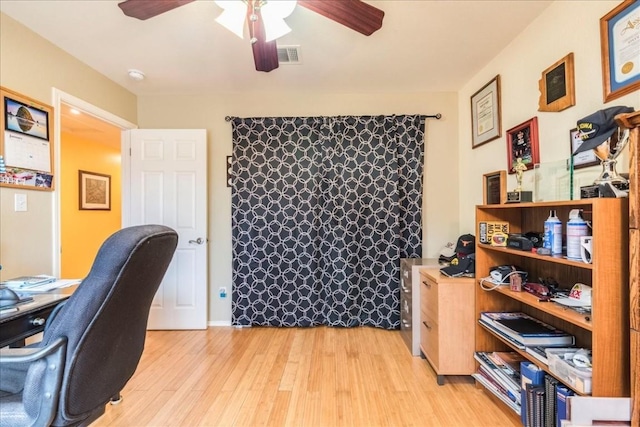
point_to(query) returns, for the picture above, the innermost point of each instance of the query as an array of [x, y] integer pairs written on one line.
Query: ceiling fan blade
[[265, 54], [355, 14], [145, 9]]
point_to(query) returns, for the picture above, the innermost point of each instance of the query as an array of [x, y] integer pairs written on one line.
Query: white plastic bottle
[[576, 228], [553, 233]]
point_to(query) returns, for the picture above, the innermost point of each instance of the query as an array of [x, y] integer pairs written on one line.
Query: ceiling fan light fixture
[[233, 16]]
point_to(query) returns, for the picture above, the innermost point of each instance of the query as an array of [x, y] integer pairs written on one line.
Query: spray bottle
[[576, 228], [553, 233]]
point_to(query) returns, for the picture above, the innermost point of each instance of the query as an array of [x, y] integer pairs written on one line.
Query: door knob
[[198, 241]]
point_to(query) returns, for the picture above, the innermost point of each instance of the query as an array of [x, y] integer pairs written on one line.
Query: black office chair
[[92, 345]]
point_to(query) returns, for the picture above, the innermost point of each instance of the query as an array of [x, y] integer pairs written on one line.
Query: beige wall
[[564, 27], [453, 170], [441, 200], [33, 66]]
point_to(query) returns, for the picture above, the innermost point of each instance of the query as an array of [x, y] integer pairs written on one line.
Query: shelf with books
[[605, 330], [582, 320]]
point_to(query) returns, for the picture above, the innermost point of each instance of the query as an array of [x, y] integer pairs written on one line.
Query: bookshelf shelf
[[551, 259], [582, 320], [605, 330]]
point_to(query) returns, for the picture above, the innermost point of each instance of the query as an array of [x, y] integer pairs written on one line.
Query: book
[[502, 335], [509, 381], [529, 374], [539, 406], [527, 330], [28, 281], [495, 391], [562, 395], [550, 384], [539, 353]]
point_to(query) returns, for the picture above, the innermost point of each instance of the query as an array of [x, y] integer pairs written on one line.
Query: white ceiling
[[423, 46]]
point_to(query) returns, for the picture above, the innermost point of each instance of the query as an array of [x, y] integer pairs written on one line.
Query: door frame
[[59, 97]]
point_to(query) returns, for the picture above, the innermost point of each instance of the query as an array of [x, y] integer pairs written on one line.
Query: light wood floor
[[293, 377]]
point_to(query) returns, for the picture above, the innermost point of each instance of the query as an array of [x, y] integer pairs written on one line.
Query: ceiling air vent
[[289, 55]]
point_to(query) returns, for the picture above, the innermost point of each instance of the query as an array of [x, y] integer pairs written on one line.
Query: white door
[[168, 186]]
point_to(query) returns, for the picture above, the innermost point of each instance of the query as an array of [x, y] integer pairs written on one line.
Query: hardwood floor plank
[[318, 377]]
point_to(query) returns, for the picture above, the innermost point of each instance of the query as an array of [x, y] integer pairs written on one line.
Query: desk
[[30, 317]]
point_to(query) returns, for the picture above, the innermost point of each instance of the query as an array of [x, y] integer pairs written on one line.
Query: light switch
[[20, 203]]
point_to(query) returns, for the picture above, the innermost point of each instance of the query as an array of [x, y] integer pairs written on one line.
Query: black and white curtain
[[323, 208]]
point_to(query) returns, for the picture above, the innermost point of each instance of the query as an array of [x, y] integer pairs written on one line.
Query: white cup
[[586, 248]]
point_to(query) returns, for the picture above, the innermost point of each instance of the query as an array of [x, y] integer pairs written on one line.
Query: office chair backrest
[[105, 319]]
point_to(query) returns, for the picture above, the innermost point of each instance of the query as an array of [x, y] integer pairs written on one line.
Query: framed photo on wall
[[557, 86], [619, 47], [584, 159], [486, 121], [522, 142], [94, 191]]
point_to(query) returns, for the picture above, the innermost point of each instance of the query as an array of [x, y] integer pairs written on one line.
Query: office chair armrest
[[31, 354], [46, 379]]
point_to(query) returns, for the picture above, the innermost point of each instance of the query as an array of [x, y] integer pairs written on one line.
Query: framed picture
[[94, 191], [26, 144], [486, 118], [494, 188], [557, 86], [584, 159], [522, 142], [619, 46]]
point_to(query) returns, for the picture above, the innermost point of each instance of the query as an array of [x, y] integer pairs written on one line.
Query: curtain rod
[[437, 116]]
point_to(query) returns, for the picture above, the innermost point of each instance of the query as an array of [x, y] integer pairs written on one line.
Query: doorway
[[91, 137]]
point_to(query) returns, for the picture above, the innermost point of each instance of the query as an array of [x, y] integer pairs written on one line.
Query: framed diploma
[[585, 158], [494, 188], [485, 113], [557, 86], [620, 48]]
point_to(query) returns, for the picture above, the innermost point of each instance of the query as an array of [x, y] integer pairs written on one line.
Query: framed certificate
[[485, 113], [620, 48]]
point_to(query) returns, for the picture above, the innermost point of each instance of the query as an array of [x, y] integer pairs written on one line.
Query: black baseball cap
[[466, 245], [598, 127], [464, 266]]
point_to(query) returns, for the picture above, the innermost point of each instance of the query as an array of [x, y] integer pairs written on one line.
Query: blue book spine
[[529, 374], [562, 393]]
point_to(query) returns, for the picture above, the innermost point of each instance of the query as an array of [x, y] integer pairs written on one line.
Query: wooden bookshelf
[[606, 329]]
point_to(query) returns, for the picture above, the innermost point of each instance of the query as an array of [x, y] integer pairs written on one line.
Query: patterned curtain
[[323, 208]]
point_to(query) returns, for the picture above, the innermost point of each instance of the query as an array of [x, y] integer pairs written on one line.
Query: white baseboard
[[217, 323]]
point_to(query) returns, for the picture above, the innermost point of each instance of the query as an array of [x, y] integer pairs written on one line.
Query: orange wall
[[83, 231]]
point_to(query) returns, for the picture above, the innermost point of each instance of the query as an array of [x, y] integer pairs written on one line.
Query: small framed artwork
[[522, 143], [557, 86], [486, 121], [619, 47], [584, 159], [94, 191], [494, 188]]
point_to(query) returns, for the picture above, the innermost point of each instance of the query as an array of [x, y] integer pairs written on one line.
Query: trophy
[[518, 195], [600, 133]]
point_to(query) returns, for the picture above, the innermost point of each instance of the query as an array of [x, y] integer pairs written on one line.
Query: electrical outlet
[[223, 292]]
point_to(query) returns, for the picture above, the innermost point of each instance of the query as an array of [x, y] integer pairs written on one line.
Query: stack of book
[[499, 373], [523, 331]]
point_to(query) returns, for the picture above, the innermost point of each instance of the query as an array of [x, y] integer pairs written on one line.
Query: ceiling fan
[[354, 14]]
